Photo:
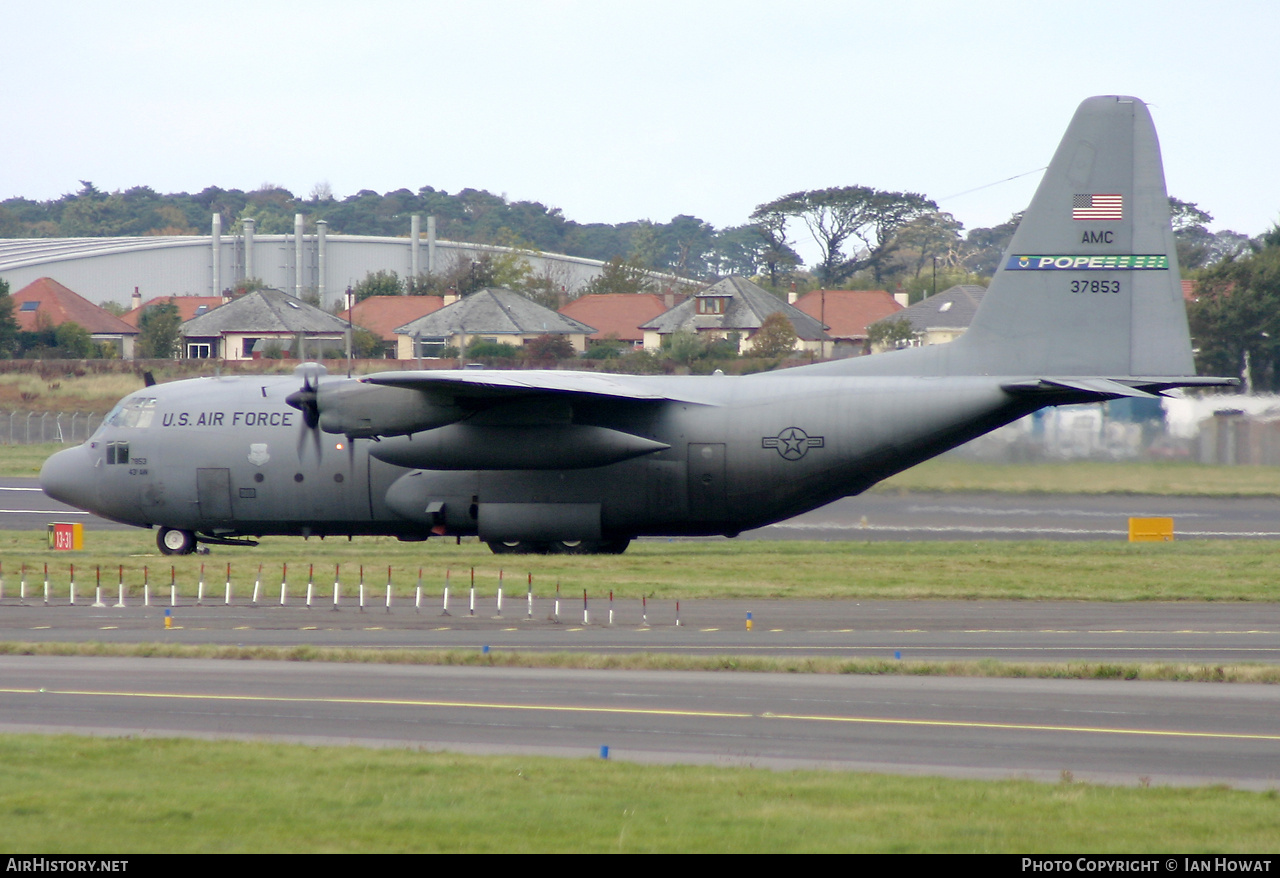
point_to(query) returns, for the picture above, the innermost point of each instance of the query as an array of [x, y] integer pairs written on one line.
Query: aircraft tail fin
[[1090, 283], [1089, 286]]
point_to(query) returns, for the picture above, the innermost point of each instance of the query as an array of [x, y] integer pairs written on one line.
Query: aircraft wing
[[494, 384]]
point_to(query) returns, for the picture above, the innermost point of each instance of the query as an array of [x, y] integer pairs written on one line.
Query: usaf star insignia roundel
[[792, 443]]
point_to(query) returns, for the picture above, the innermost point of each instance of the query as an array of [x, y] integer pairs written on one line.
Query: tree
[[890, 334], [378, 283], [683, 346], [74, 341], [619, 276], [983, 247], [546, 348], [159, 337], [366, 346], [839, 215], [8, 323], [775, 337], [778, 257], [1191, 236], [1235, 319], [931, 236]]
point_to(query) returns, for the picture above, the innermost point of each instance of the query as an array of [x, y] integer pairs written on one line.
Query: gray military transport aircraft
[[1086, 306]]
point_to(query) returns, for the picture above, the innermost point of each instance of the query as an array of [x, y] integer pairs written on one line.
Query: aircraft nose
[[67, 477]]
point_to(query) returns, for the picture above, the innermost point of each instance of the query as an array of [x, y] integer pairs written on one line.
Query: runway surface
[[1106, 731], [886, 516], [1111, 732], [1025, 631]]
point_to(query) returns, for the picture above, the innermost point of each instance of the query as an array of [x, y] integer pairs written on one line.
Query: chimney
[[668, 298], [902, 298], [135, 301]]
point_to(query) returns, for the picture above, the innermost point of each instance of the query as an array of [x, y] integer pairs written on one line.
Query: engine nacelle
[[526, 447], [364, 411]]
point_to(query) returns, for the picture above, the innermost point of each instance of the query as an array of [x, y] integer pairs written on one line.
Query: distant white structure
[[109, 269]]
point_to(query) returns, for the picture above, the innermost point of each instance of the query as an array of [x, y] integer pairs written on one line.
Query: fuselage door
[[213, 490], [707, 489]]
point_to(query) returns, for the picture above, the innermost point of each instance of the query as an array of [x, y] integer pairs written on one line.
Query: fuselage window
[[117, 452], [136, 411]]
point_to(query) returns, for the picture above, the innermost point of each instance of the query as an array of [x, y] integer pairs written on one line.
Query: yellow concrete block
[[1150, 530]]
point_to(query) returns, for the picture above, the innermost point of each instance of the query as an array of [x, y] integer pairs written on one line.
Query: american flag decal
[[1097, 207]]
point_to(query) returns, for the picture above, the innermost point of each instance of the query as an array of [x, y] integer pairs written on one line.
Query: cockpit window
[[135, 411]]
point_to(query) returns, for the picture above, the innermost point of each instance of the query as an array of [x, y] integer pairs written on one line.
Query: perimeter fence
[[28, 428]]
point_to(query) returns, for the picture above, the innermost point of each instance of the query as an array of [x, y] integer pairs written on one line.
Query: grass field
[[132, 796], [953, 474], [1199, 570]]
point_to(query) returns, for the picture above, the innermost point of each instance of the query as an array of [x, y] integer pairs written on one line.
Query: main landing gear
[[176, 542], [560, 547]]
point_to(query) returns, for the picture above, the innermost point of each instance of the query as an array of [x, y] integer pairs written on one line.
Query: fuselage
[[226, 457]]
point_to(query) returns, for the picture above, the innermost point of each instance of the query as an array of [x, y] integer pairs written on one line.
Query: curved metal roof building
[[109, 269]]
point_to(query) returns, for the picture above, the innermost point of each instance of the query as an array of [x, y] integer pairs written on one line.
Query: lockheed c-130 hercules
[[1085, 306]]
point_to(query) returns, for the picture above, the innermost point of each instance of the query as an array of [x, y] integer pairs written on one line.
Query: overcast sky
[[615, 110]]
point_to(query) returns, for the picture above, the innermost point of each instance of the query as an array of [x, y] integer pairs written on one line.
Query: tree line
[[866, 237]]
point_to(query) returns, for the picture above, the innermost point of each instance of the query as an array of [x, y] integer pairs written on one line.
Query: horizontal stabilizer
[[1110, 388]]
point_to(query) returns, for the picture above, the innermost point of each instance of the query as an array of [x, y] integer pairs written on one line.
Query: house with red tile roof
[[46, 303], [188, 307], [617, 315], [382, 314], [847, 314]]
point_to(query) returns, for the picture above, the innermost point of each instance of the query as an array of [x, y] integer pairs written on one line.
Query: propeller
[[307, 401]]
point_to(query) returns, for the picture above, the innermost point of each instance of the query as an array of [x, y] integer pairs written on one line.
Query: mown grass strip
[[1188, 570], [953, 474], [646, 661], [65, 794]]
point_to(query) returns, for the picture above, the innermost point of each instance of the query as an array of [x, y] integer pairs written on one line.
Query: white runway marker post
[[388, 588], [445, 609], [120, 602], [200, 587], [472, 610], [227, 598], [311, 583], [257, 586], [284, 581], [417, 593], [146, 586], [529, 614], [337, 586], [499, 616]]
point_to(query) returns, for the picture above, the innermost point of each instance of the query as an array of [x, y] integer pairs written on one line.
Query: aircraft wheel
[[517, 547], [176, 542], [575, 547], [590, 547]]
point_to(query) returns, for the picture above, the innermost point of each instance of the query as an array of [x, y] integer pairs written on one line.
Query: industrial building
[[111, 269]]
